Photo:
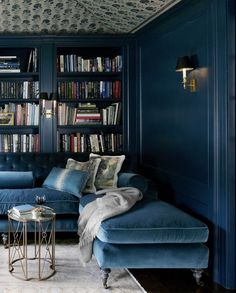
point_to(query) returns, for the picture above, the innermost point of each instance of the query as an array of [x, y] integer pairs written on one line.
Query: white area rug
[[71, 276]]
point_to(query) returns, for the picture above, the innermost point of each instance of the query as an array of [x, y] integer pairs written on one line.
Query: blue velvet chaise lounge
[[153, 234]]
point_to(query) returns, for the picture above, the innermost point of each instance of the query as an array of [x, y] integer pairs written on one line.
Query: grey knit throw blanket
[[114, 202]]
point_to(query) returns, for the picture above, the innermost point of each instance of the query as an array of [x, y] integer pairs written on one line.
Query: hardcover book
[[23, 209]]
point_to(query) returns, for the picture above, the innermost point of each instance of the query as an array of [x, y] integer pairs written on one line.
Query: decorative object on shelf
[[6, 118], [185, 64]]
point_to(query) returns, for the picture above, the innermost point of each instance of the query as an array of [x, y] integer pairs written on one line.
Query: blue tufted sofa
[[153, 234], [65, 204]]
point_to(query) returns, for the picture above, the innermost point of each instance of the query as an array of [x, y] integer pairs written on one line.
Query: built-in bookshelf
[[89, 87], [19, 100], [87, 113]]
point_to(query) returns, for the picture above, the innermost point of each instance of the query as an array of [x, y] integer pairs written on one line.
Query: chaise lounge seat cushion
[[61, 202], [150, 221]]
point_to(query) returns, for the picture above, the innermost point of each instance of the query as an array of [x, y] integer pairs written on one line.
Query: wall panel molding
[[168, 113]]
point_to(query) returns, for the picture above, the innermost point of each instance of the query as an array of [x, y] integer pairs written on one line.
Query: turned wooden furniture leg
[[197, 273], [4, 240], [105, 274]]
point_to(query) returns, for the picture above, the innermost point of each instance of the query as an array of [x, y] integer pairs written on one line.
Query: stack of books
[[9, 64], [23, 210], [88, 116]]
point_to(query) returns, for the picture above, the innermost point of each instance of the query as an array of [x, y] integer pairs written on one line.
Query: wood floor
[[174, 281]]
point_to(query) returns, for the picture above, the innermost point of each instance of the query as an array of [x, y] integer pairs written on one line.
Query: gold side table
[[38, 258]]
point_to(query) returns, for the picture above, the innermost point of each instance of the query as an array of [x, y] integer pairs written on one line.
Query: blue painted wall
[[186, 143]]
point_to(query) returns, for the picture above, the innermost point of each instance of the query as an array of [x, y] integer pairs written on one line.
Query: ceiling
[[78, 16]]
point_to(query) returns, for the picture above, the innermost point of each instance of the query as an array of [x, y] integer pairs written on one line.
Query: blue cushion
[[72, 181], [168, 255], [16, 179], [151, 221], [61, 202]]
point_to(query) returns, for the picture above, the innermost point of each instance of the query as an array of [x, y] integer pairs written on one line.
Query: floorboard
[[174, 281]]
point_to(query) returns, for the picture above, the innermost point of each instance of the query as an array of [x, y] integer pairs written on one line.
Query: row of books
[[32, 65], [95, 142], [24, 114], [19, 143], [9, 64], [76, 63], [19, 89], [68, 115], [89, 89]]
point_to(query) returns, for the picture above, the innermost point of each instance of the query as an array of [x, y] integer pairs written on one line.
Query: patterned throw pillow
[[71, 181], [90, 166], [107, 174]]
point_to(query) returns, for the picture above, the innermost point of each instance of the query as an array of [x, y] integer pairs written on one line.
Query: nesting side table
[[36, 261]]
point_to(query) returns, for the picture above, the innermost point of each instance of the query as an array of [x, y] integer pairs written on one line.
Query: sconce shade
[[184, 63], [43, 96], [53, 96]]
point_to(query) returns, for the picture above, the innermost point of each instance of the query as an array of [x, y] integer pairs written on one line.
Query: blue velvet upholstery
[[193, 256], [133, 180], [16, 179], [151, 221], [61, 202], [72, 181]]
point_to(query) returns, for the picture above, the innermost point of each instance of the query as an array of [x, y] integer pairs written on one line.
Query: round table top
[[47, 214]]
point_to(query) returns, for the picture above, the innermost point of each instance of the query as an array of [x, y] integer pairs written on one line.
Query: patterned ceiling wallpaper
[[77, 16]]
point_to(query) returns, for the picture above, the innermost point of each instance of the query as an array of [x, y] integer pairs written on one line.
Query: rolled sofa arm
[[137, 181]]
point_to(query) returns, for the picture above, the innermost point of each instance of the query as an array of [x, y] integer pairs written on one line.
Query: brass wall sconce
[[185, 64], [48, 104]]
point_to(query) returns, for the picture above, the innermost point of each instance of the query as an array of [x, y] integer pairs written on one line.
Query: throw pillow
[[90, 166], [71, 181], [107, 174], [16, 179]]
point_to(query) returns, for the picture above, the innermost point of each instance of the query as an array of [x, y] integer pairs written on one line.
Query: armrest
[[138, 181], [132, 180]]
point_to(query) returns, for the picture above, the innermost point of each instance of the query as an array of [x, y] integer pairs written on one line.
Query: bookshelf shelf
[[89, 74], [19, 75], [101, 100], [19, 129], [13, 100], [89, 128]]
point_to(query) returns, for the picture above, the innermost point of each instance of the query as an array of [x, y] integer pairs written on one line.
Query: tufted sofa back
[[42, 163]]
